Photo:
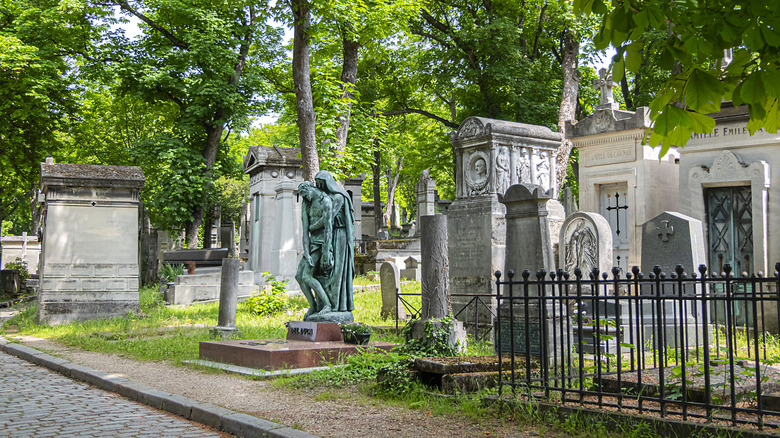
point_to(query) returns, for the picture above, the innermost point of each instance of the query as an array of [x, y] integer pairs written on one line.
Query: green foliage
[[434, 342], [20, 266], [268, 301], [356, 328], [396, 378], [169, 272], [694, 38]]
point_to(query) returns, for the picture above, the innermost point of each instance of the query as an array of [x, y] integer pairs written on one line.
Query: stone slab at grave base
[[720, 382], [468, 373], [271, 354], [308, 344], [64, 312]]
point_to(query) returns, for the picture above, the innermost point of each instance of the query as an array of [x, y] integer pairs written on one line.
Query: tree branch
[[168, 35], [430, 115]]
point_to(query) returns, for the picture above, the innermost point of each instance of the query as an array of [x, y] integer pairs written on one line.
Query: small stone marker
[[228, 299], [390, 280], [412, 271]]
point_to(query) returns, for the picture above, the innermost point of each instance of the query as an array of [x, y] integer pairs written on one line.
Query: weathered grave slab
[[744, 381], [270, 354]]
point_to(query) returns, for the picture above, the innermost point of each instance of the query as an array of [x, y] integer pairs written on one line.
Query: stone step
[[191, 293], [213, 278]]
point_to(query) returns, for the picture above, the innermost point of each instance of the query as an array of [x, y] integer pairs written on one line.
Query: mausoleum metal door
[[730, 228], [613, 202]]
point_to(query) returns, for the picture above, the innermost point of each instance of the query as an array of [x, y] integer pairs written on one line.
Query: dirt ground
[[344, 412]]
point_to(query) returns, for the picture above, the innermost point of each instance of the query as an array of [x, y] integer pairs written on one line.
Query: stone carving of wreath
[[477, 173]]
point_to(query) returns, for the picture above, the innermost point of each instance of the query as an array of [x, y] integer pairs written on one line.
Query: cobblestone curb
[[208, 414]]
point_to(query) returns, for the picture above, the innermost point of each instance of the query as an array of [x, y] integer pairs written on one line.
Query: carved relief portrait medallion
[[477, 173]]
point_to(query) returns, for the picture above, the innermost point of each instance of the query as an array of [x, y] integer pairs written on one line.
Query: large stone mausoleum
[[89, 257], [722, 179]]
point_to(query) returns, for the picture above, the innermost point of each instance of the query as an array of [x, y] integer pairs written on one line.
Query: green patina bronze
[[325, 272]]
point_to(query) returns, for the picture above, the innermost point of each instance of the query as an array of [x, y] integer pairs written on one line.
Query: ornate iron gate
[[730, 228]]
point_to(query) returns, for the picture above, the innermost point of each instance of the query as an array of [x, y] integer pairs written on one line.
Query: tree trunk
[[304, 103], [193, 227], [571, 81], [377, 188], [35, 209], [626, 94], [392, 183], [348, 77]]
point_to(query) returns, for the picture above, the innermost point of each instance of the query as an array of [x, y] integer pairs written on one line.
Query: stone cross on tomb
[[665, 232], [604, 85]]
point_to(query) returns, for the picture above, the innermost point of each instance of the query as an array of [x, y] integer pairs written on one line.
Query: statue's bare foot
[[309, 313]]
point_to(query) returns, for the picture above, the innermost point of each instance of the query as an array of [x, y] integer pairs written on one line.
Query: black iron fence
[[469, 312], [684, 344]]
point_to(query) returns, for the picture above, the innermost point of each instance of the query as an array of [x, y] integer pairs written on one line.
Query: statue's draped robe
[[340, 286]]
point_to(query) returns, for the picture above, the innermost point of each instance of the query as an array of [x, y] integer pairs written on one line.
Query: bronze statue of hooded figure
[[340, 285]]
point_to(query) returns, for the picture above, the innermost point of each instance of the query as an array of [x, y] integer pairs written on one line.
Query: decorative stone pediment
[[727, 167]]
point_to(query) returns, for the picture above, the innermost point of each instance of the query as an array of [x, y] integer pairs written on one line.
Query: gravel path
[[325, 413]]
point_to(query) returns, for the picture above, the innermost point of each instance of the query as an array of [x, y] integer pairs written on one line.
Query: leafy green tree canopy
[[700, 36]]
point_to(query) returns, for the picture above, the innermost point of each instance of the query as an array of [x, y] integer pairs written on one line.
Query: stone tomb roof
[[91, 175], [604, 121], [261, 156], [476, 127]]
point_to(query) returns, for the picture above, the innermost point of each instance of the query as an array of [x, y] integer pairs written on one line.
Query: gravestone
[[668, 240], [25, 247], [89, 259], [585, 243], [529, 246], [476, 218], [390, 281], [672, 239], [227, 236], [412, 270]]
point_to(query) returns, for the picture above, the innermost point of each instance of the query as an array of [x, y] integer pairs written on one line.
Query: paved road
[[36, 402]]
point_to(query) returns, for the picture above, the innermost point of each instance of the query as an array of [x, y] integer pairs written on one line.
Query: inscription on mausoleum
[[618, 154]]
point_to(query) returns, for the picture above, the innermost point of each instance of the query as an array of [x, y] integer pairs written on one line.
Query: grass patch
[[173, 333]]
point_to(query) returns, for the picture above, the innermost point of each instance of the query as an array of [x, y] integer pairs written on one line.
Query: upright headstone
[[228, 299], [89, 259], [390, 281], [668, 240], [585, 243], [672, 239], [227, 236], [435, 267], [529, 246]]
